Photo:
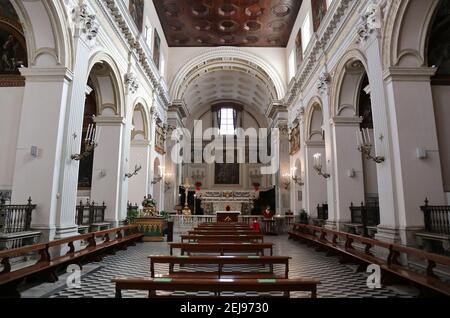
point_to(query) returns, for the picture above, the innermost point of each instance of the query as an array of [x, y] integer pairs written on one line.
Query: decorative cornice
[[409, 74], [316, 48], [135, 45]]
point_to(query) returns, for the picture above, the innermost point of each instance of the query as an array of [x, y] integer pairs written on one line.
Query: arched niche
[[140, 121], [314, 127], [406, 30]]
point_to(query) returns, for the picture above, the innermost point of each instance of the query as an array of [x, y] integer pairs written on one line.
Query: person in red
[[268, 214], [256, 227]]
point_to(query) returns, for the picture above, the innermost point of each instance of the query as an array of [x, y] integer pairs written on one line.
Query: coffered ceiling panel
[[255, 23]]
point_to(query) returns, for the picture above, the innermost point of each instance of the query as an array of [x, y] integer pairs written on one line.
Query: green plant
[[303, 216], [132, 214]]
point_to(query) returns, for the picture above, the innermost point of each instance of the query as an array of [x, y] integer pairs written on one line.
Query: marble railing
[[183, 223]]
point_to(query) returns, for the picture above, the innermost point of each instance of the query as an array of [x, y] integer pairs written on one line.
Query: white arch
[[232, 56], [47, 32]]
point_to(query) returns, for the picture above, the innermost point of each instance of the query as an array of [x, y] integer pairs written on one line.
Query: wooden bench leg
[[118, 292], [10, 290], [152, 294]]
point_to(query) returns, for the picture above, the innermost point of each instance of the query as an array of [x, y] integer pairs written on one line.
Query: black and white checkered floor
[[338, 281]]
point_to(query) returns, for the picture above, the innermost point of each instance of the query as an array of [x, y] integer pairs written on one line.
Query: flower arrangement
[[198, 186], [256, 185]]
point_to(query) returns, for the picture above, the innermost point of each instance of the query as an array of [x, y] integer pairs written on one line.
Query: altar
[[228, 216], [152, 228]]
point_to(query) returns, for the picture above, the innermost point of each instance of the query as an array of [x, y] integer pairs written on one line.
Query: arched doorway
[[315, 153], [356, 179], [438, 55], [104, 164], [139, 155]]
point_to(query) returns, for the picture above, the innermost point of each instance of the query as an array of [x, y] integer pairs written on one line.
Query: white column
[[138, 185], [107, 173], [42, 125], [329, 156], [348, 169], [316, 185], [413, 123], [370, 44]]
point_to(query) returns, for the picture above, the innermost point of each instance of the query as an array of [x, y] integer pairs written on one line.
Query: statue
[[149, 206]]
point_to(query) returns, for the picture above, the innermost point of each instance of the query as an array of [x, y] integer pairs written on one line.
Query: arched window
[[227, 118], [227, 124]]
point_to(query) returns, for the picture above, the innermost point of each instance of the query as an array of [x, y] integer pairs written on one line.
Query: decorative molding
[[113, 11], [131, 82], [86, 21], [328, 33], [371, 21], [323, 83]]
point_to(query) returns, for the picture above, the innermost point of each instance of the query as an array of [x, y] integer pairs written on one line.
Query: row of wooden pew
[[54, 257], [392, 258], [225, 244]]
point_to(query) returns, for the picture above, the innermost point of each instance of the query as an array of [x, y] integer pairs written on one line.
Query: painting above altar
[[226, 173]]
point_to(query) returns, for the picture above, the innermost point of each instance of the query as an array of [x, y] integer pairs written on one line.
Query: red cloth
[[268, 214], [256, 226]]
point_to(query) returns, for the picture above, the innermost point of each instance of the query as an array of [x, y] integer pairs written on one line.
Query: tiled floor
[[337, 280]]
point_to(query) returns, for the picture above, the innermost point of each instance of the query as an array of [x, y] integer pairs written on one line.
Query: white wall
[[441, 97], [10, 107]]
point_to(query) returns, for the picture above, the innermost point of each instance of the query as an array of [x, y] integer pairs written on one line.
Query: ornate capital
[[85, 21], [131, 82], [324, 83], [371, 21], [284, 129]]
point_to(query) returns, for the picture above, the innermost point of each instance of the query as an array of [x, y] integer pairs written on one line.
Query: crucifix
[[186, 210]]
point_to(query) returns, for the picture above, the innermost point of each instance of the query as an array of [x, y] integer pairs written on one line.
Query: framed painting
[[298, 49], [295, 140], [319, 9], [226, 174], [157, 50], [136, 9], [13, 49]]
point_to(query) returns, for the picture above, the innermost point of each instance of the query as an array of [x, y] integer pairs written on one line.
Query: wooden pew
[[343, 244], [216, 286], [46, 267], [223, 238], [220, 261], [221, 232], [224, 225], [222, 248]]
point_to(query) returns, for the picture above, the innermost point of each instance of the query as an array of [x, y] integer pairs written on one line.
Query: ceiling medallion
[[277, 26], [274, 40], [281, 10], [227, 10], [203, 25], [227, 39], [227, 26], [254, 10], [180, 39], [200, 10], [252, 26], [204, 39], [251, 39], [176, 26], [171, 10]]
